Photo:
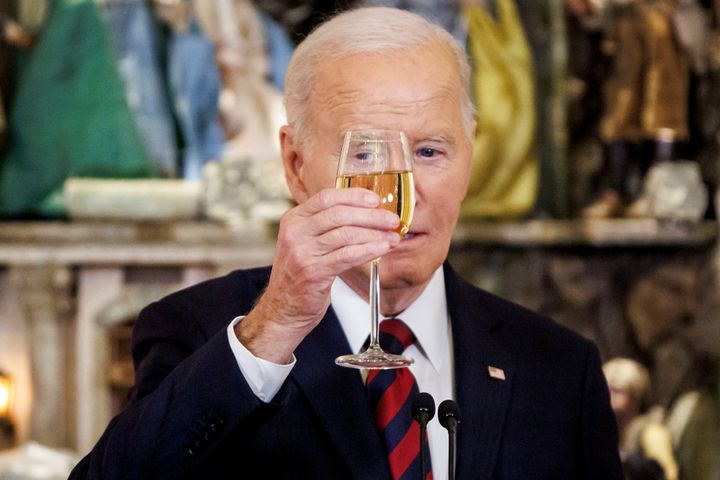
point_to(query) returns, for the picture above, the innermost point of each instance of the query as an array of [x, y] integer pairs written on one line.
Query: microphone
[[449, 417], [423, 410]]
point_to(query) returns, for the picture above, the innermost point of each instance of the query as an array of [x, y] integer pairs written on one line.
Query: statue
[[70, 116], [16, 35], [645, 95], [645, 443], [504, 179], [247, 182], [194, 84]]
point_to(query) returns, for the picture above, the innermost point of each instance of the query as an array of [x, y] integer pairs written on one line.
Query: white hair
[[628, 375], [366, 30]]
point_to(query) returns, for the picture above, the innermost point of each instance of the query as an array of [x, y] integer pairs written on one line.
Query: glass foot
[[374, 359]]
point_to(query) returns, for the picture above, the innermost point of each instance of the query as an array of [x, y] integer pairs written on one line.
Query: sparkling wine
[[396, 190]]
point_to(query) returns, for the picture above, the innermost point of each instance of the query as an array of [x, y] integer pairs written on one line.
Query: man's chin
[[399, 269], [401, 281], [401, 273]]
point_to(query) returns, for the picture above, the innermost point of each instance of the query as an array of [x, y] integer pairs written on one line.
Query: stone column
[[96, 288], [46, 300]]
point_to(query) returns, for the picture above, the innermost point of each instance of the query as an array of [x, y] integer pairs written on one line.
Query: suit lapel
[[338, 397], [483, 399]]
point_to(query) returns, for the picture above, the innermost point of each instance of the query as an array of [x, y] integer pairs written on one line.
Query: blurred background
[[139, 154]]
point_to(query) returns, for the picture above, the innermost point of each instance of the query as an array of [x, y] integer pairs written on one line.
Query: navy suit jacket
[[192, 414]]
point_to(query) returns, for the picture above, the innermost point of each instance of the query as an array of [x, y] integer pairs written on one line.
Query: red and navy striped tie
[[391, 393]]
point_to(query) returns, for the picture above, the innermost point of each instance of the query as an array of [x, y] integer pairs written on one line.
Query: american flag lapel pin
[[497, 373]]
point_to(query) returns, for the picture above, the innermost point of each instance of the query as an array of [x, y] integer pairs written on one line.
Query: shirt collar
[[427, 317]]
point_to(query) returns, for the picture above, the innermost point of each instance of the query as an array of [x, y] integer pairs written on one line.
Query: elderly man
[[235, 376]]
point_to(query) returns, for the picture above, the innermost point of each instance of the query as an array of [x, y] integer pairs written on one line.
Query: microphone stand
[[449, 416], [452, 452], [423, 449], [423, 410]]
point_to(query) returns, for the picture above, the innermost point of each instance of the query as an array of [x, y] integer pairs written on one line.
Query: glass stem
[[374, 305]]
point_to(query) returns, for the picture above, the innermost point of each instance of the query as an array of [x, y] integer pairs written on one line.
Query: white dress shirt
[[428, 319]]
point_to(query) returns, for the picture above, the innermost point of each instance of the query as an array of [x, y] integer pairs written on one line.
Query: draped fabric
[[504, 178], [195, 89], [647, 88], [136, 39], [70, 117], [3, 122]]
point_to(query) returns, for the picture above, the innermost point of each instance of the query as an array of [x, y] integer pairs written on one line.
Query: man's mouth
[[410, 235]]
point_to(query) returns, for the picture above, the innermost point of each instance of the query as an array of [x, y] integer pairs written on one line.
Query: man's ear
[[293, 163]]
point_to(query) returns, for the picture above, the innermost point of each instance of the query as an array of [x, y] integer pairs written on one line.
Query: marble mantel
[[600, 233], [208, 243], [117, 243]]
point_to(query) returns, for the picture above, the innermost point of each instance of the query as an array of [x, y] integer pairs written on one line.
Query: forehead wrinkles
[[340, 105]]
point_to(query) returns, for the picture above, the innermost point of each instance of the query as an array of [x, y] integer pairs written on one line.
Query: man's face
[[624, 403], [417, 92], [620, 400]]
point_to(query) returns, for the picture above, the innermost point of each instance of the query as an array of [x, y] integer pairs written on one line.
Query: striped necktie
[[391, 393]]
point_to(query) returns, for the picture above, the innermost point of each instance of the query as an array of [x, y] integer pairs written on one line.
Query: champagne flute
[[381, 161]]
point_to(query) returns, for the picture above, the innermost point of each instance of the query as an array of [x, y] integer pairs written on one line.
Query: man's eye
[[362, 156], [427, 152]]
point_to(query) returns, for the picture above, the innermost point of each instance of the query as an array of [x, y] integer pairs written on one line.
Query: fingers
[[340, 216], [357, 244], [329, 197], [343, 248], [335, 208], [351, 235], [332, 232], [335, 230], [349, 256], [324, 268]]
